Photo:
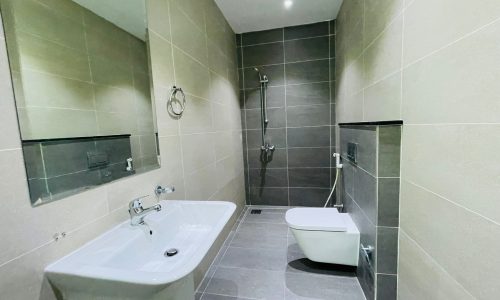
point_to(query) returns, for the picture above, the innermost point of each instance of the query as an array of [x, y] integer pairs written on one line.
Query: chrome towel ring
[[180, 104]]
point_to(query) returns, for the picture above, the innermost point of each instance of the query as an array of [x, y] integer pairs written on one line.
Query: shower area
[[287, 80]]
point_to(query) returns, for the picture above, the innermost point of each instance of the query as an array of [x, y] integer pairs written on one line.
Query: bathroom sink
[[130, 262]]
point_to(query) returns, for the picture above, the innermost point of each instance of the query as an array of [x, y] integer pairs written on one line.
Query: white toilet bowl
[[325, 235]]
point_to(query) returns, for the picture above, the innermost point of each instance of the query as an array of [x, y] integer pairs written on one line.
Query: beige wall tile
[[192, 9], [458, 84], [382, 101], [193, 77], [112, 99], [197, 117], [378, 15], [188, 36], [198, 151], [159, 18], [40, 123], [447, 20], [49, 57], [456, 162], [420, 277], [162, 66], [51, 23], [383, 57], [9, 135], [111, 123], [463, 243], [202, 183], [35, 226], [47, 90]]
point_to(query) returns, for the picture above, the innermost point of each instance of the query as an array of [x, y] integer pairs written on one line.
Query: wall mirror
[[81, 76]]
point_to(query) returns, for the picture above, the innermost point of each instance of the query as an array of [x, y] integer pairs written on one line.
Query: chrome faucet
[[138, 213]]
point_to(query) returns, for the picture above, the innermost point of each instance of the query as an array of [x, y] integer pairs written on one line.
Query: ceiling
[[129, 15], [255, 15]]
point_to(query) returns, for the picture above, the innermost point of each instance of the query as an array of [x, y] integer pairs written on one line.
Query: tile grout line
[[432, 259]]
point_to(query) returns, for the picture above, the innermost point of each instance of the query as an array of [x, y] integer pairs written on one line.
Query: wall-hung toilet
[[325, 235]]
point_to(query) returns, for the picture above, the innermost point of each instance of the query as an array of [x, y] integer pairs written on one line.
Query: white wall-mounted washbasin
[[128, 263]]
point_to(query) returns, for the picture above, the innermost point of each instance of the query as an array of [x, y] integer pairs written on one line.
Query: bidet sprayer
[[338, 165]]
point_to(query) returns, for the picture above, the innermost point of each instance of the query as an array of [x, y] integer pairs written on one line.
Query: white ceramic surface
[[317, 233], [128, 263]]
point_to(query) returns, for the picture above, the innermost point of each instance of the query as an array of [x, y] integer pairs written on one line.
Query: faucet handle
[[137, 202], [163, 190]]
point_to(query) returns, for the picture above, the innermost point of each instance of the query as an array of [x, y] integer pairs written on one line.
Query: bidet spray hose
[[333, 189]]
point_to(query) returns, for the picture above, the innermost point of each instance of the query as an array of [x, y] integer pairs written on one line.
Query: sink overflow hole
[[255, 211], [171, 252]]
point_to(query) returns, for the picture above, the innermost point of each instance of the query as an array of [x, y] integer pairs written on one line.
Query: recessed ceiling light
[[288, 4]]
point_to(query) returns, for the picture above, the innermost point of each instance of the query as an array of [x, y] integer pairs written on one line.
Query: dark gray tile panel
[[265, 36], [310, 115], [307, 72], [306, 31], [309, 177], [265, 54], [307, 49], [269, 196], [309, 157], [309, 136], [312, 197], [308, 94]]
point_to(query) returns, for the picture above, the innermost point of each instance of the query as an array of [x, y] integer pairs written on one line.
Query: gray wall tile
[[388, 202], [389, 151], [275, 74], [387, 287], [308, 157], [265, 54], [306, 31], [387, 250], [274, 136], [259, 37], [309, 136], [279, 159], [268, 177], [311, 115], [315, 197], [269, 196], [307, 49], [307, 72], [308, 94], [275, 97], [309, 177], [276, 117]]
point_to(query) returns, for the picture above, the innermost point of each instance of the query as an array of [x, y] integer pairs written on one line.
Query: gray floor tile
[[251, 240], [266, 216], [258, 284], [306, 286], [262, 259], [220, 297], [263, 229], [197, 296]]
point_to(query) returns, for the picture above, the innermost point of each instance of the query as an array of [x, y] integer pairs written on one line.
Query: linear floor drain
[[170, 252], [255, 211]]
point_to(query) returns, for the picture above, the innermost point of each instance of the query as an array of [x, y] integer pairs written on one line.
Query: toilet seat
[[316, 219]]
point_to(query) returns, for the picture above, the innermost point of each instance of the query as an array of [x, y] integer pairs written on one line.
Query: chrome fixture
[[180, 104], [138, 213], [163, 190], [266, 147]]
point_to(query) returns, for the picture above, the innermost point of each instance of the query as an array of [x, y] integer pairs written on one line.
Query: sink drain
[[170, 252]]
